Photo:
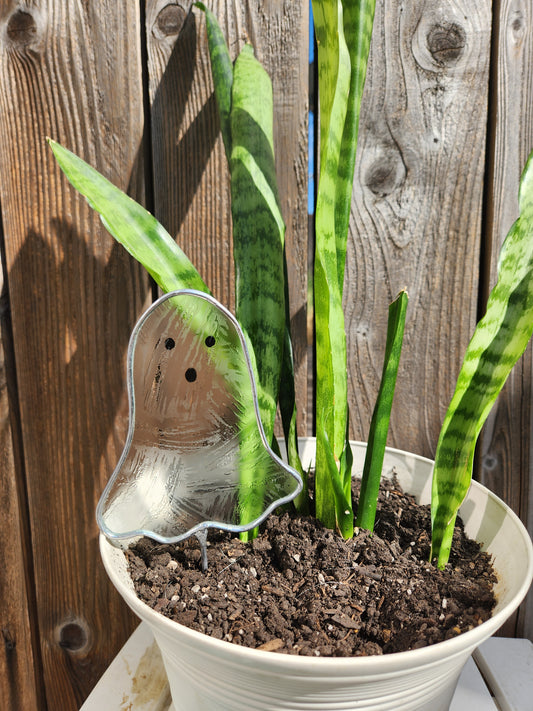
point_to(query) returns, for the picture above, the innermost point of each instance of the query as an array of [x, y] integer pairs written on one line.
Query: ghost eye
[[190, 375], [210, 341], [169, 344]]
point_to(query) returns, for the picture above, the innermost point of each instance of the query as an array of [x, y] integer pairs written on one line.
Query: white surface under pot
[[206, 674]]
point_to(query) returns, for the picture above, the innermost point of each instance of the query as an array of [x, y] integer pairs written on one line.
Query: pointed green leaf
[[379, 426], [287, 403], [222, 73], [343, 30], [498, 342], [358, 19], [331, 394], [287, 406], [343, 499], [131, 225], [258, 228]]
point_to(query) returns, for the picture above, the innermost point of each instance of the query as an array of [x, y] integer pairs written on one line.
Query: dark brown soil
[[301, 589]]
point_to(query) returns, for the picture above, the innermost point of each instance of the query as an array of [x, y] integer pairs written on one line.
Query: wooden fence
[[447, 125]]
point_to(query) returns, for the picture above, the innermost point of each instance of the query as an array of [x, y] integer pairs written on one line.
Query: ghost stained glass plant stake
[[196, 455]]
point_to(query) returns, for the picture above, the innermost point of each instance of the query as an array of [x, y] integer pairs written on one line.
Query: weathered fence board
[[416, 216], [71, 71], [506, 464], [191, 177], [20, 672]]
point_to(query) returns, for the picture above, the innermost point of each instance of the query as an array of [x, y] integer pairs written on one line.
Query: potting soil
[[299, 588]]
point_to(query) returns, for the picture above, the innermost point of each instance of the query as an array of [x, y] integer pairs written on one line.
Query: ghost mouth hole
[[169, 344], [190, 375]]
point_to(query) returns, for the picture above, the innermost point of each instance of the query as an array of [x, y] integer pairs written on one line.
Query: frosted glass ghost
[[196, 454]]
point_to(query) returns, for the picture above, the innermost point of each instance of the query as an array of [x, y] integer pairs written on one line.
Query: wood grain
[[191, 178], [416, 210], [72, 71], [20, 679], [506, 455]]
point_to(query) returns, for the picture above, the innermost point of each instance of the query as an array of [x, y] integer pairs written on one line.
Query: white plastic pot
[[207, 674]]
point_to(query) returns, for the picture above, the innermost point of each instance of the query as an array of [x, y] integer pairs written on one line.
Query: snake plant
[[343, 32], [244, 98], [498, 342]]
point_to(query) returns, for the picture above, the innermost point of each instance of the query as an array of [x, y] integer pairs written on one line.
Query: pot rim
[[292, 663]]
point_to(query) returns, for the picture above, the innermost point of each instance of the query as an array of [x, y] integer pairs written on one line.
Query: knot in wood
[[9, 641], [518, 26], [385, 174], [22, 29], [169, 21], [490, 462], [73, 636], [446, 42]]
